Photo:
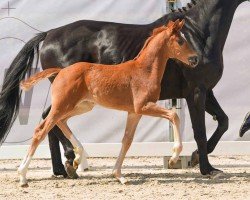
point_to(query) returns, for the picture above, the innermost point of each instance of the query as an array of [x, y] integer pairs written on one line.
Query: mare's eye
[[180, 41]]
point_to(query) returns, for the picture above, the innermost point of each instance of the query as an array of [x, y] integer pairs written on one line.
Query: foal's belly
[[119, 98]]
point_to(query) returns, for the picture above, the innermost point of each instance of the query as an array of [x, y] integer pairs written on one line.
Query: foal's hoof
[[194, 158], [122, 180], [24, 185], [71, 171], [119, 177], [171, 163], [75, 164]]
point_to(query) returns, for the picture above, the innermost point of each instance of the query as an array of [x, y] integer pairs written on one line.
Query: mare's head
[[178, 47]]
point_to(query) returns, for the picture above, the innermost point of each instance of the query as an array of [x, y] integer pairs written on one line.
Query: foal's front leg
[[152, 109], [132, 122], [177, 148]]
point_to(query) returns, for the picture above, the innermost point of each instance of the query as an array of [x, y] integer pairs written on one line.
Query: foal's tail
[[30, 82]]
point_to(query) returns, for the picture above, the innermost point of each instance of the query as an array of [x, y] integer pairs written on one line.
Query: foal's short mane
[[156, 31]]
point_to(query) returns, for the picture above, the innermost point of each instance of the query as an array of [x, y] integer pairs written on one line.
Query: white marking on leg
[[82, 107], [117, 169], [122, 180], [84, 164], [78, 149], [22, 170], [177, 148]]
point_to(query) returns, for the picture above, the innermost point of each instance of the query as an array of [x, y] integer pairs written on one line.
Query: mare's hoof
[[245, 125], [216, 174], [194, 158], [60, 172], [71, 171]]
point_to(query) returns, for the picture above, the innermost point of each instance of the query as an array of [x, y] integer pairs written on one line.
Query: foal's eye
[[180, 41]]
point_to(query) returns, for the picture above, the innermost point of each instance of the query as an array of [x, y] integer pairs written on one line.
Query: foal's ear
[[170, 24], [178, 25]]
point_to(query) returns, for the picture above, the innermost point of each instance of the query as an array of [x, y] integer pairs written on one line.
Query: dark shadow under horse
[[206, 28]]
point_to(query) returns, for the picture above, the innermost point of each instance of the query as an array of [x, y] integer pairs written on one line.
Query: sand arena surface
[[147, 180]]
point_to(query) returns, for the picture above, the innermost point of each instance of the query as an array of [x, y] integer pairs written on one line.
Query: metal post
[[171, 4]]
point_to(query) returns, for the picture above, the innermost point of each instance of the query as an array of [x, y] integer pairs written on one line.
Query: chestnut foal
[[133, 86]]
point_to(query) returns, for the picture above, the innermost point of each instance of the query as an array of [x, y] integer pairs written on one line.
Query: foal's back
[[106, 85]]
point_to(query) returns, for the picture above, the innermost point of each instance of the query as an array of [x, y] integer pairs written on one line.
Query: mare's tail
[[30, 82], [10, 95]]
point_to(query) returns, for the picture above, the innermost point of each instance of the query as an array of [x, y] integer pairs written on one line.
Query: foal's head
[[178, 47]]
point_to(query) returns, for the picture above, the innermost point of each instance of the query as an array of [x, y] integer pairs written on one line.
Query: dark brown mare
[[133, 86]]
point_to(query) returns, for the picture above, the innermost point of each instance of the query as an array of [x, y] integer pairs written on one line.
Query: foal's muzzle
[[193, 61]]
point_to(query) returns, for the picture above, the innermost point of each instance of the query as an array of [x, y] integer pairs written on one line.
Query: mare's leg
[[40, 133], [196, 104], [152, 109], [54, 136], [213, 108], [132, 122]]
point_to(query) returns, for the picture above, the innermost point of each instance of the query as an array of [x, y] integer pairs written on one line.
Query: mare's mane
[[191, 24], [187, 8], [156, 31]]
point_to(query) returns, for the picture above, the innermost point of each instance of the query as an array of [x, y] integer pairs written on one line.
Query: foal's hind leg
[[78, 148], [40, 133], [152, 109], [57, 166], [132, 122], [79, 109]]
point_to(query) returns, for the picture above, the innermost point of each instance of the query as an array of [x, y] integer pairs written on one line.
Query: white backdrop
[[102, 125]]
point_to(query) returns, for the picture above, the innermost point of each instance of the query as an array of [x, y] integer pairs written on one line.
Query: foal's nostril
[[193, 60]]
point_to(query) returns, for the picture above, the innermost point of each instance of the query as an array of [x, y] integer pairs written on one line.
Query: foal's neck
[[152, 59]]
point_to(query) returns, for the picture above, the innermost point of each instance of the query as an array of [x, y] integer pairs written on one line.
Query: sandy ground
[[147, 180]]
